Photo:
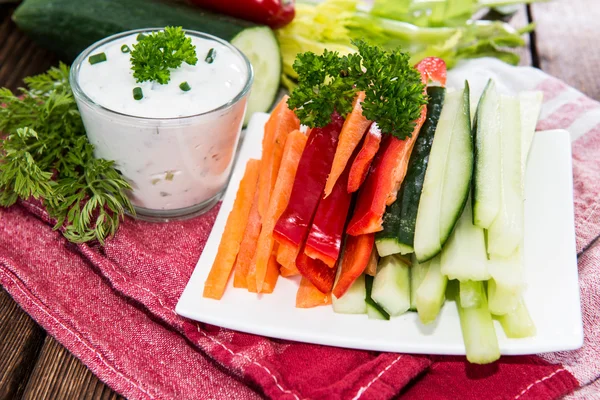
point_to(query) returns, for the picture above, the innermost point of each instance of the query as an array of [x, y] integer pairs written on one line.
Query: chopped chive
[[140, 37], [97, 58], [210, 57], [137, 93], [125, 49], [184, 86]]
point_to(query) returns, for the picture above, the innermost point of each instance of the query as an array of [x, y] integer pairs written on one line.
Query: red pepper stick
[[325, 235], [275, 13], [362, 162], [316, 271], [390, 164], [315, 164], [357, 253]]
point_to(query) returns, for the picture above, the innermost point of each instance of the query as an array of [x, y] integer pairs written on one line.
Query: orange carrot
[[216, 282], [309, 296], [372, 265], [288, 272], [248, 246], [286, 255], [352, 132], [362, 162], [281, 122], [281, 195], [270, 278]]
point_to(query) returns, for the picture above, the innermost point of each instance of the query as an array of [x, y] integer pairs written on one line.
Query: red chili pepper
[[315, 164], [316, 271], [390, 165], [362, 162], [275, 13], [325, 235], [355, 259]]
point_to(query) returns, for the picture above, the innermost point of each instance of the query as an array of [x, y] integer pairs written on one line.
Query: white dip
[[173, 157]]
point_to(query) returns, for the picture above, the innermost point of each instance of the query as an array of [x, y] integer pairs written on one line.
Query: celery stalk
[[431, 293], [471, 293], [518, 323], [479, 334]]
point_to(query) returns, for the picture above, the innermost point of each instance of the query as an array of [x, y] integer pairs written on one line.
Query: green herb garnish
[[210, 56], [137, 93], [125, 49], [140, 36], [329, 82], [46, 155], [97, 58], [153, 57], [184, 86]]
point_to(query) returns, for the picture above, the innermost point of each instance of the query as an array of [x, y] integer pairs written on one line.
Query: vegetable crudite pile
[[380, 190]]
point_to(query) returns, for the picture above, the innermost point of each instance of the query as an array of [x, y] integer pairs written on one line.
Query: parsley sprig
[[154, 55], [329, 82], [45, 154]]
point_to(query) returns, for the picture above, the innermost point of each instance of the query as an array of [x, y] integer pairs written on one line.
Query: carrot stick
[[248, 246], [362, 162], [281, 122], [309, 296], [270, 278], [286, 256], [288, 272], [216, 282], [352, 132], [372, 265], [281, 195]]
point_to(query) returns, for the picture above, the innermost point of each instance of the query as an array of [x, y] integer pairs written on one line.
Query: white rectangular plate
[[552, 293]]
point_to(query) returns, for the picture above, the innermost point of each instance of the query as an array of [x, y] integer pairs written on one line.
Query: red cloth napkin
[[113, 307]]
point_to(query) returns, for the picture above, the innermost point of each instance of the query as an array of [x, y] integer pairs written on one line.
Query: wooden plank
[[21, 340], [19, 56], [567, 42], [59, 375]]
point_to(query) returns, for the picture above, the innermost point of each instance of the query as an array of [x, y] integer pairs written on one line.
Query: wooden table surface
[[35, 366]]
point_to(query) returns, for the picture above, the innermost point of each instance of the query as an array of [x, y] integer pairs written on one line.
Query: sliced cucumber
[[418, 271], [518, 324], [431, 293], [260, 45], [374, 310], [479, 333], [506, 286], [353, 301], [391, 286], [531, 106], [448, 176], [506, 232], [386, 241], [471, 293], [486, 177], [464, 256]]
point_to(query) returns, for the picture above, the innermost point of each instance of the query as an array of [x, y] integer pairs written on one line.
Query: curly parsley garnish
[[45, 154], [329, 82], [154, 55]]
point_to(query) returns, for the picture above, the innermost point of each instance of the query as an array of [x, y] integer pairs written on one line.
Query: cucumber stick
[[518, 323], [67, 27], [431, 294], [464, 256], [448, 176], [479, 333], [353, 301], [418, 271], [399, 219], [531, 106], [506, 231], [391, 286], [374, 310], [470, 293], [486, 186]]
